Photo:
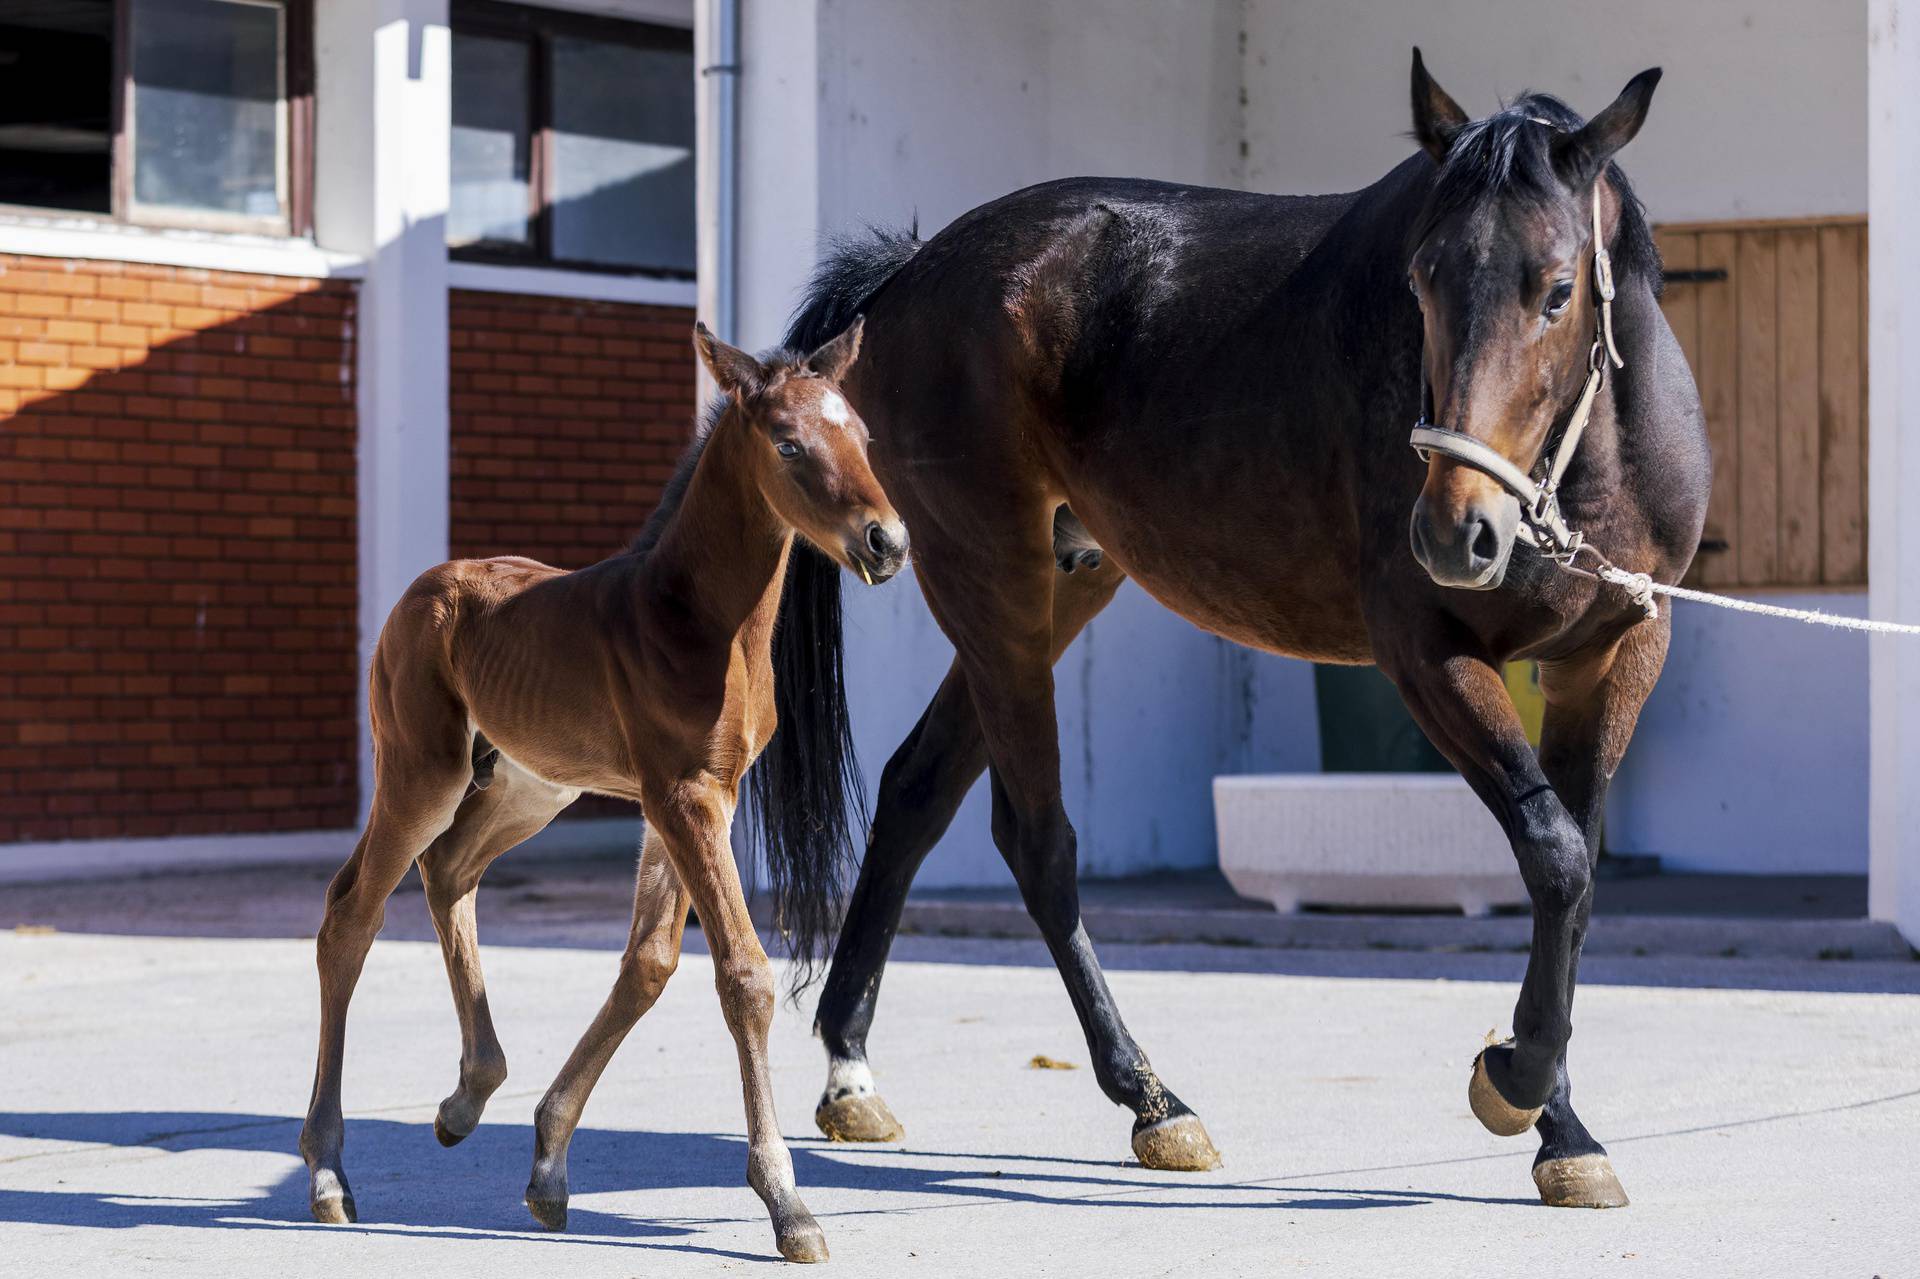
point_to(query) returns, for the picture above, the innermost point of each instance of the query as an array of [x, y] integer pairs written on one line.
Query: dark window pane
[[622, 154], [56, 103], [207, 131], [492, 141]]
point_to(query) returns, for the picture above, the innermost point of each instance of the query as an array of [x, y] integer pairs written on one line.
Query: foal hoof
[[1178, 1144], [550, 1213], [445, 1135], [864, 1117], [1579, 1181], [334, 1210], [1499, 1116], [802, 1240]]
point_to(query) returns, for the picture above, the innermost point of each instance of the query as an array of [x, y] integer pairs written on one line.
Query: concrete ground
[[156, 1049]]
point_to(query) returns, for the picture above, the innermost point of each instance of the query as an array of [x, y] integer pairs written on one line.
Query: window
[[572, 140], [163, 112]]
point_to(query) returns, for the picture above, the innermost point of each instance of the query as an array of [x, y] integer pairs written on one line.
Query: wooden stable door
[[1773, 318]]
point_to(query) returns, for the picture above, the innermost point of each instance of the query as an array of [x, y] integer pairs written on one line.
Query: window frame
[[538, 27], [296, 108]]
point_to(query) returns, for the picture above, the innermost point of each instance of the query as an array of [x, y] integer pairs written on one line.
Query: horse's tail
[[806, 788]]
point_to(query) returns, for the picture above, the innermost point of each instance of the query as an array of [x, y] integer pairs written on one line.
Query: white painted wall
[[858, 111], [1762, 112], [1893, 545], [1751, 755]]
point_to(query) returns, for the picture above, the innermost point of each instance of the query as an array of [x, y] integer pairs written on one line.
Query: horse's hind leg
[[1592, 706], [512, 808], [993, 601], [653, 951], [921, 788], [423, 769]]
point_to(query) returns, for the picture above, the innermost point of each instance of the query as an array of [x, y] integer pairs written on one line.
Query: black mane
[[1507, 154]]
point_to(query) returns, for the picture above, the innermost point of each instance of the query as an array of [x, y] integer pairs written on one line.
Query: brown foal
[[503, 689]]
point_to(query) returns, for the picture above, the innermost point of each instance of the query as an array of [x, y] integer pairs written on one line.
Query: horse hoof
[[802, 1241], [335, 1210], [1499, 1116], [447, 1136], [864, 1117], [1179, 1144], [550, 1213], [1579, 1181]]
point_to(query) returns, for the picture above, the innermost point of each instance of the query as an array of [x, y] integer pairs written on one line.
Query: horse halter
[[1541, 523]]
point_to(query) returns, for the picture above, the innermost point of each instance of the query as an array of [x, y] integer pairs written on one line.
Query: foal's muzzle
[[879, 549], [1470, 551]]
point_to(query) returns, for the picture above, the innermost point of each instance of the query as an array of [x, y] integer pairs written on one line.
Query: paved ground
[[1763, 1114]]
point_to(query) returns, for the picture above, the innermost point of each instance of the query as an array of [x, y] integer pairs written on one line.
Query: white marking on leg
[[848, 1079]]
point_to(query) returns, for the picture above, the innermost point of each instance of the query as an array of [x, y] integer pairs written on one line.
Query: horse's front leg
[[1458, 698], [1592, 705]]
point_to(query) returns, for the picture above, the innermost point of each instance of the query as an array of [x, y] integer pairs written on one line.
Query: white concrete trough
[[1400, 841]]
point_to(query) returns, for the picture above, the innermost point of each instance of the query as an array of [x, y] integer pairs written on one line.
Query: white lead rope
[[1643, 588]]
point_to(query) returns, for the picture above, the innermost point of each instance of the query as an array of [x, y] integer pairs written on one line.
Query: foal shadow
[[406, 1183]]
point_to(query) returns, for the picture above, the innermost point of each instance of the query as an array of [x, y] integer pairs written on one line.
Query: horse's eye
[[1557, 299], [1413, 286], [787, 449]]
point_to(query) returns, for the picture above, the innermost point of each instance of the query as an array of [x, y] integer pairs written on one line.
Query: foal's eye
[[787, 449], [1557, 299]]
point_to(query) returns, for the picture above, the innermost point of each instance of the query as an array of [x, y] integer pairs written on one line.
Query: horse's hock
[[1370, 840]]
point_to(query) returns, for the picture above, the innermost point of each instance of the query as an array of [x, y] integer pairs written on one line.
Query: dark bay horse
[[502, 689], [1218, 388]]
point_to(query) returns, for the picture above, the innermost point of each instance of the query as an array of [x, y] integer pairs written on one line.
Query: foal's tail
[[806, 787]]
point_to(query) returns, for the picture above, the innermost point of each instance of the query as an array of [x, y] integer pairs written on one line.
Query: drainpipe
[[717, 51]]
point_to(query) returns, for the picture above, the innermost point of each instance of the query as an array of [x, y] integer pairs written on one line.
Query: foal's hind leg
[[423, 769], [923, 785], [653, 950], [993, 601], [514, 807], [1592, 706]]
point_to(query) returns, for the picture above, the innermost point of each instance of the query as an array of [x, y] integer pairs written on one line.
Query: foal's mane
[[1507, 154], [782, 364]]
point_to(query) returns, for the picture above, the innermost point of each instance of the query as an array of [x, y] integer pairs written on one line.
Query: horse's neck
[[723, 555]]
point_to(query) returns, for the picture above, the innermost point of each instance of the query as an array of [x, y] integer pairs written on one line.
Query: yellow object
[[1523, 686]]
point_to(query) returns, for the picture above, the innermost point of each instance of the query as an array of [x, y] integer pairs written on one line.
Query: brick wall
[[178, 611], [567, 418]]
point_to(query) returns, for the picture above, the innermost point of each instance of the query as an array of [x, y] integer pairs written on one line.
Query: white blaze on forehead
[[833, 408]]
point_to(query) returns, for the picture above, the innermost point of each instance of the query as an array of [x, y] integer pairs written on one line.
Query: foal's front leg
[[1462, 704], [653, 951], [694, 822]]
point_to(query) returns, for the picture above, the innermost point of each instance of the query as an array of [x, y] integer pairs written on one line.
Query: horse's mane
[[1508, 154], [783, 363]]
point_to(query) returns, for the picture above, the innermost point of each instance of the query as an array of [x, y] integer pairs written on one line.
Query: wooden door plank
[[1715, 370], [1797, 405], [1842, 355], [1757, 536]]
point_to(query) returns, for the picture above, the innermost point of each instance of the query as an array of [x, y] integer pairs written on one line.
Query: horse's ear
[[834, 358], [1582, 155], [1436, 117], [734, 371]]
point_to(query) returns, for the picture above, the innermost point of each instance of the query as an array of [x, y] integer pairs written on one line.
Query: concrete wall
[[1762, 112], [1751, 755]]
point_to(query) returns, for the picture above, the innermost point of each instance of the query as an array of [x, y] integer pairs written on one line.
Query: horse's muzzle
[[1472, 551], [880, 550]]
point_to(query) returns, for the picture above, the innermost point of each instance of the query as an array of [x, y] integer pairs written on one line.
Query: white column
[[382, 147], [1893, 412]]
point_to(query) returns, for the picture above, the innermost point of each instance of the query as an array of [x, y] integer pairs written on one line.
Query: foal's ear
[[736, 372], [834, 358], [1579, 157], [1436, 117]]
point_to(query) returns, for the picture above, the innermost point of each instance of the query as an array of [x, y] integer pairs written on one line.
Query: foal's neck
[[722, 557]]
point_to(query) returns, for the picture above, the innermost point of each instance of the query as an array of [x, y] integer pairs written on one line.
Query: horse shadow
[[405, 1182]]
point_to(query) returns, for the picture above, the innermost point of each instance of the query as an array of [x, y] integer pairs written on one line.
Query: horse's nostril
[[1486, 545], [877, 540]]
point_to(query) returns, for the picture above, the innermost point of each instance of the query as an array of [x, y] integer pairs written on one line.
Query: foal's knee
[[747, 990], [643, 975]]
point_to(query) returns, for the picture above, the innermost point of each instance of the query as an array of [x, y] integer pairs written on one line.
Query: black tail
[[806, 788]]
